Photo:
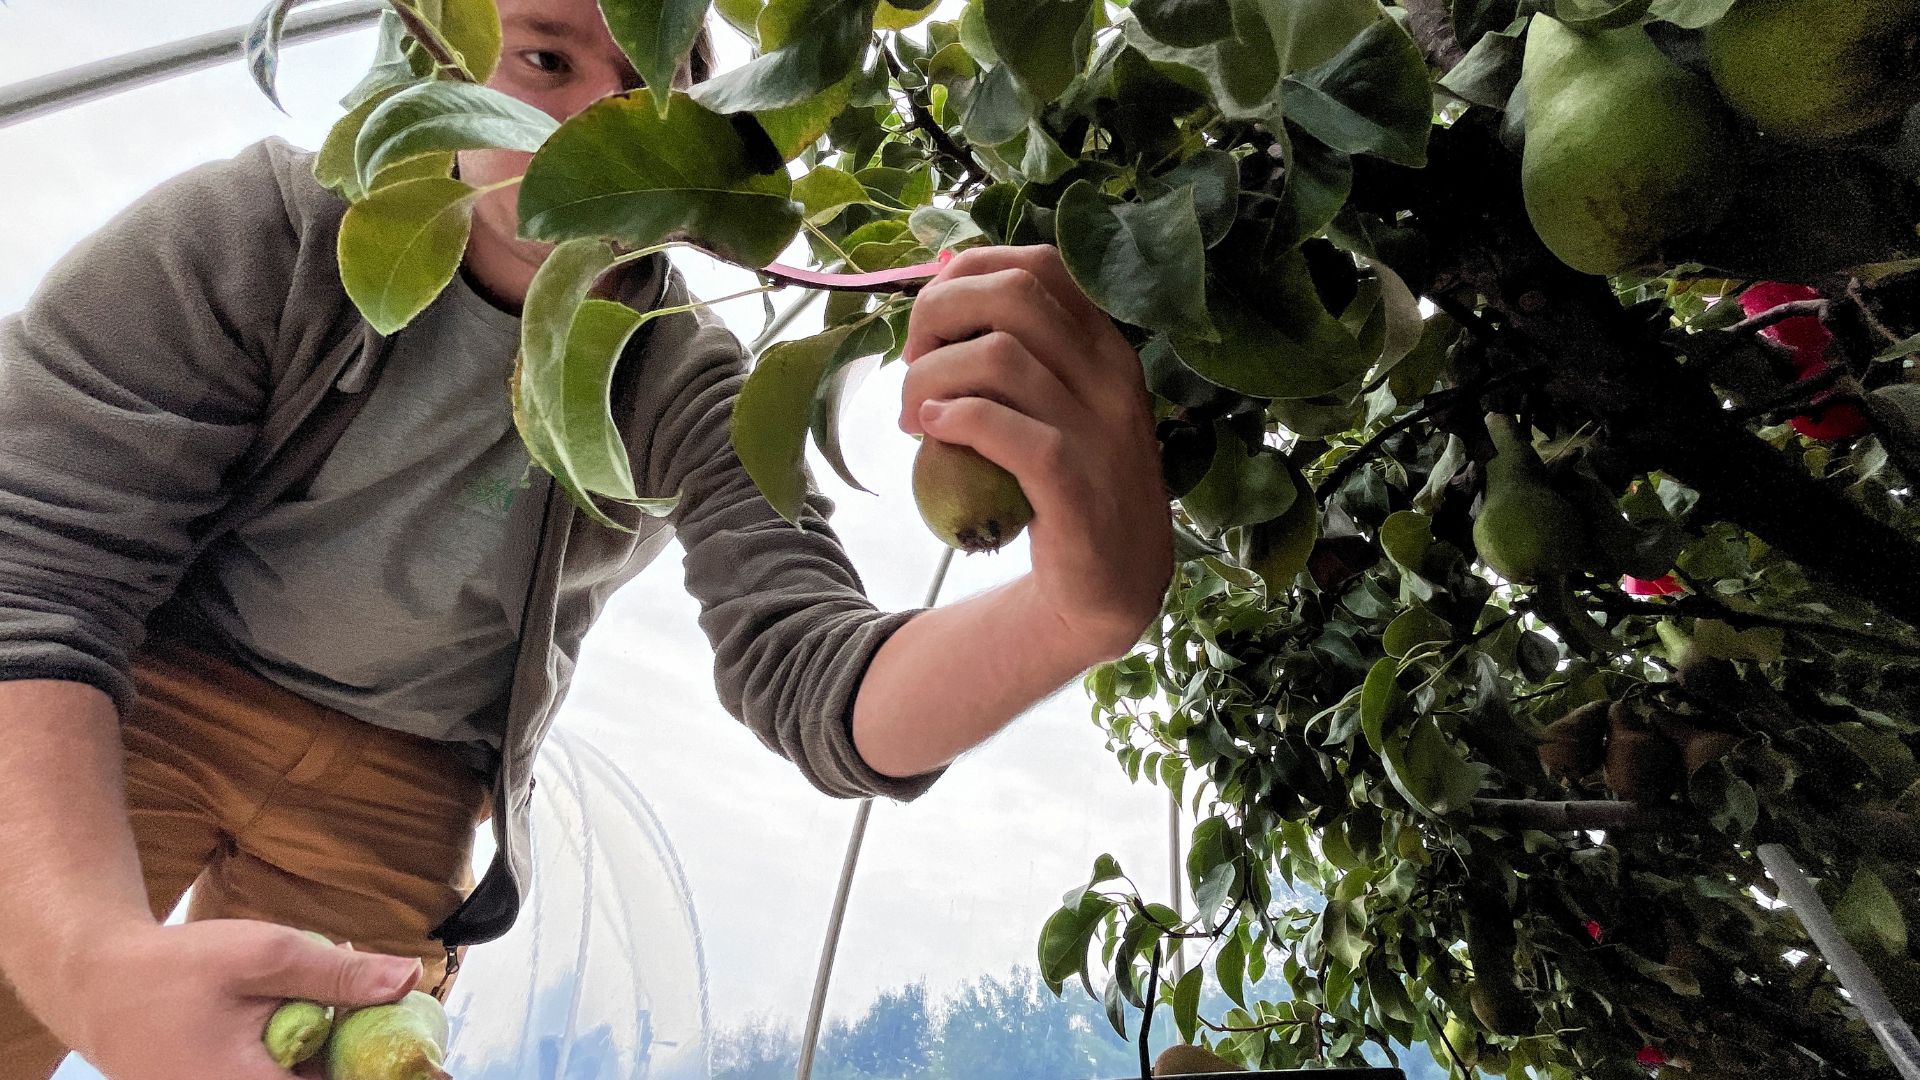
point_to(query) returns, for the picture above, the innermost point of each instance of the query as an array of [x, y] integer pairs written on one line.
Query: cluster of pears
[[1627, 149], [404, 1040], [1645, 754]]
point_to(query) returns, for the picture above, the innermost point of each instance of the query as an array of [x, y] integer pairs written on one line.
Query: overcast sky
[[950, 887]]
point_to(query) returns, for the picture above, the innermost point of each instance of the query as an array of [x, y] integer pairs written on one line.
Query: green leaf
[[617, 170], [1185, 24], [1375, 97], [1337, 931], [261, 46], [796, 127], [1430, 772], [562, 383], [1278, 550], [1143, 263], [1411, 629], [773, 413], [806, 46], [1869, 916], [1044, 43], [1318, 181], [1215, 179], [442, 117], [898, 17], [1691, 14], [998, 111], [1041, 159], [655, 35], [1186, 1002], [1291, 349], [472, 27], [333, 165], [742, 15], [825, 191], [589, 450], [1406, 536], [1595, 15], [1243, 486], [1114, 999], [1105, 868], [1382, 702], [1065, 938], [852, 362], [1230, 970], [1489, 72], [401, 246], [939, 227]]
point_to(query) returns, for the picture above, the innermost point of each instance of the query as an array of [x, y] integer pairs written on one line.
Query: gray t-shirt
[[381, 590]]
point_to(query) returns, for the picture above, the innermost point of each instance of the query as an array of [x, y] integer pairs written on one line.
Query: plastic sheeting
[[603, 975]]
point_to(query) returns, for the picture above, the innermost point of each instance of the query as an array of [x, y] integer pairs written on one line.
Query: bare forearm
[[72, 869], [955, 676]]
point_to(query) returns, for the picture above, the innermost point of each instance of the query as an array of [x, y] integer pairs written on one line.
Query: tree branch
[[1580, 815], [942, 141], [1611, 365], [1774, 316]]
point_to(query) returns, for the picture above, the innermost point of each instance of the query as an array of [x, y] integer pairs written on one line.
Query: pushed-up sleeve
[[130, 384], [792, 628]]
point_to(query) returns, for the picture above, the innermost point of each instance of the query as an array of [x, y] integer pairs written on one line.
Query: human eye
[[546, 61]]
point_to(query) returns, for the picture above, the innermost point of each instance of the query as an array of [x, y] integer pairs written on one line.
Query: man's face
[[557, 56]]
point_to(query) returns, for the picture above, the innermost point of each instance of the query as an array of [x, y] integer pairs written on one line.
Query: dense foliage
[[1533, 391]]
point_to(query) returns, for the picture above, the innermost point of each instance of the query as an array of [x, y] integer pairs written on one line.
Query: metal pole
[[816, 1009], [1868, 995], [1179, 954], [104, 78]]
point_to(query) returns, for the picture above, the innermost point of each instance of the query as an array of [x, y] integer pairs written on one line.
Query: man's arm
[[73, 877], [954, 676]]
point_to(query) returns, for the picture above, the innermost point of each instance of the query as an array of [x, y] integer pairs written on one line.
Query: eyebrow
[[541, 24], [564, 30]]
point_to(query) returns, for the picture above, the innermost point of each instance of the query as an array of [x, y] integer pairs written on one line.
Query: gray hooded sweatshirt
[[195, 360]]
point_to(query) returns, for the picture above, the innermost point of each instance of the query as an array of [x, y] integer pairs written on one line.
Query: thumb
[[334, 976]]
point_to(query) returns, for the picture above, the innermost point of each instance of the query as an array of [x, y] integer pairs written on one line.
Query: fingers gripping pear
[[969, 502], [297, 1029], [1526, 530], [1625, 148], [1807, 71], [406, 1040]]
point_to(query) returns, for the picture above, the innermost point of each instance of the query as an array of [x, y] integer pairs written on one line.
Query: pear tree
[[1533, 388]]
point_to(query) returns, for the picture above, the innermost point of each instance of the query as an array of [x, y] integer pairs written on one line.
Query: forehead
[[575, 21]]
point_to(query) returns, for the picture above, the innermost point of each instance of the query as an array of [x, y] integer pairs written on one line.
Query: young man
[[259, 635]]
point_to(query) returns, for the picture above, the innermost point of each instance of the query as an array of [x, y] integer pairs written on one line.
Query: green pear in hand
[[966, 500], [1526, 530], [1625, 149], [297, 1029], [1809, 71], [406, 1040]]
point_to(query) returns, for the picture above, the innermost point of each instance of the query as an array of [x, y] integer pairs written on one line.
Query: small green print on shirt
[[489, 493]]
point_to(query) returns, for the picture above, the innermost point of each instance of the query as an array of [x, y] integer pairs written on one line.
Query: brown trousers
[[272, 807]]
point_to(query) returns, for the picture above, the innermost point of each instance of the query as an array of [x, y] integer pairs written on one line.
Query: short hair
[[700, 60]]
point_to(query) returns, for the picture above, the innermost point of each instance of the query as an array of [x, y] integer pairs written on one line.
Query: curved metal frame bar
[[104, 78]]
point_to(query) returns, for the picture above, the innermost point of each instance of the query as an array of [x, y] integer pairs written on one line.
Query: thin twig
[[1577, 815], [1352, 462], [1797, 398], [1774, 316], [942, 141], [1146, 1014], [1704, 605], [422, 31]]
